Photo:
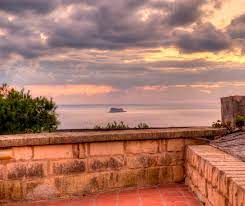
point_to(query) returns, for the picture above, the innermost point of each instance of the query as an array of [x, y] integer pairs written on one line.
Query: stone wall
[[217, 178], [59, 165]]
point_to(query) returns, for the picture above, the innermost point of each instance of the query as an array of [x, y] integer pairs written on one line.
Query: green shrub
[[240, 121], [120, 125], [113, 126], [227, 125], [217, 124], [21, 113], [142, 126]]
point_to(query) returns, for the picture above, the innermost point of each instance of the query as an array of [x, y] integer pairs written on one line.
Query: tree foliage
[[21, 113]]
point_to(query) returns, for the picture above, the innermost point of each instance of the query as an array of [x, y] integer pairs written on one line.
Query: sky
[[184, 52]]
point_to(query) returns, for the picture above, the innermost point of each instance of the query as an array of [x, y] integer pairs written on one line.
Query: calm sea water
[[87, 116]]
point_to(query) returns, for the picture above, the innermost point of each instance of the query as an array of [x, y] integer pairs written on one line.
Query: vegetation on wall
[[21, 113], [240, 121], [239, 124], [219, 124], [120, 125]]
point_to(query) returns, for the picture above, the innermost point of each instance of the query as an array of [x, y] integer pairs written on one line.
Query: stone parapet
[[92, 162], [217, 178]]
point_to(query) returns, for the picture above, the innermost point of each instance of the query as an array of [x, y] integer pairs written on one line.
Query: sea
[[88, 116]]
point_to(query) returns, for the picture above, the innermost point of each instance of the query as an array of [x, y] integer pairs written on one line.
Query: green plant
[[217, 124], [227, 125], [113, 126], [21, 113], [240, 121], [142, 126], [120, 125]]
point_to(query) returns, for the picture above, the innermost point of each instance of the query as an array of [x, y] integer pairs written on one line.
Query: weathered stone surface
[[105, 163], [178, 173], [74, 185], [106, 148], [165, 175], [83, 150], [53, 152], [148, 146], [2, 172], [66, 167], [13, 190], [163, 145], [175, 145], [171, 158], [42, 191], [26, 170], [142, 161], [22, 153], [152, 176], [6, 154], [2, 192], [128, 178]]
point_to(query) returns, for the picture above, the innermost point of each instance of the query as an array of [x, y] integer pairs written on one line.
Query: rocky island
[[116, 110]]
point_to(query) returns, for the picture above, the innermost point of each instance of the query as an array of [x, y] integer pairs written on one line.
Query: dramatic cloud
[[105, 50], [41, 7], [205, 37], [237, 30]]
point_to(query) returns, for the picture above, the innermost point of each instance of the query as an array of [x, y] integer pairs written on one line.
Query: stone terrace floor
[[169, 195]]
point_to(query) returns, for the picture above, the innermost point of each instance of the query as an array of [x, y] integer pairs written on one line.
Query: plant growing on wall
[[120, 125], [227, 125], [240, 121], [21, 113], [142, 126]]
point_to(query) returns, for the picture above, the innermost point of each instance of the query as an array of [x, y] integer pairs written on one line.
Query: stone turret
[[231, 107]]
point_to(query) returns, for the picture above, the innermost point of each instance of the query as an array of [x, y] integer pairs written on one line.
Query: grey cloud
[[205, 37], [16, 6], [185, 12], [109, 25], [237, 28]]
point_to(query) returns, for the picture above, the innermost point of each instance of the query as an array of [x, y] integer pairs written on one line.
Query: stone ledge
[[104, 136]]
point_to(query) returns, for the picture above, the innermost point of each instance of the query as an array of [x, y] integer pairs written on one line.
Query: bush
[[240, 121], [217, 124], [113, 126], [227, 125], [20, 113], [142, 126], [120, 125]]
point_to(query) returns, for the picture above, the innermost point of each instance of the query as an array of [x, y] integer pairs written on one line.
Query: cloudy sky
[[124, 51]]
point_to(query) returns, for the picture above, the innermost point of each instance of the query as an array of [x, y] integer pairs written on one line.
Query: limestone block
[[53, 152], [19, 170], [148, 146], [142, 161], [13, 190], [166, 175], [174, 145], [178, 173], [105, 163], [63, 167], [171, 158], [22, 153], [106, 148], [83, 150]]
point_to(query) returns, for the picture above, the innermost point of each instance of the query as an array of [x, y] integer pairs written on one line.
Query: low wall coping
[[103, 136]]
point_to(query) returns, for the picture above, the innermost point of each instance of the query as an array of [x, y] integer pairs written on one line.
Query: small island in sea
[[116, 110]]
